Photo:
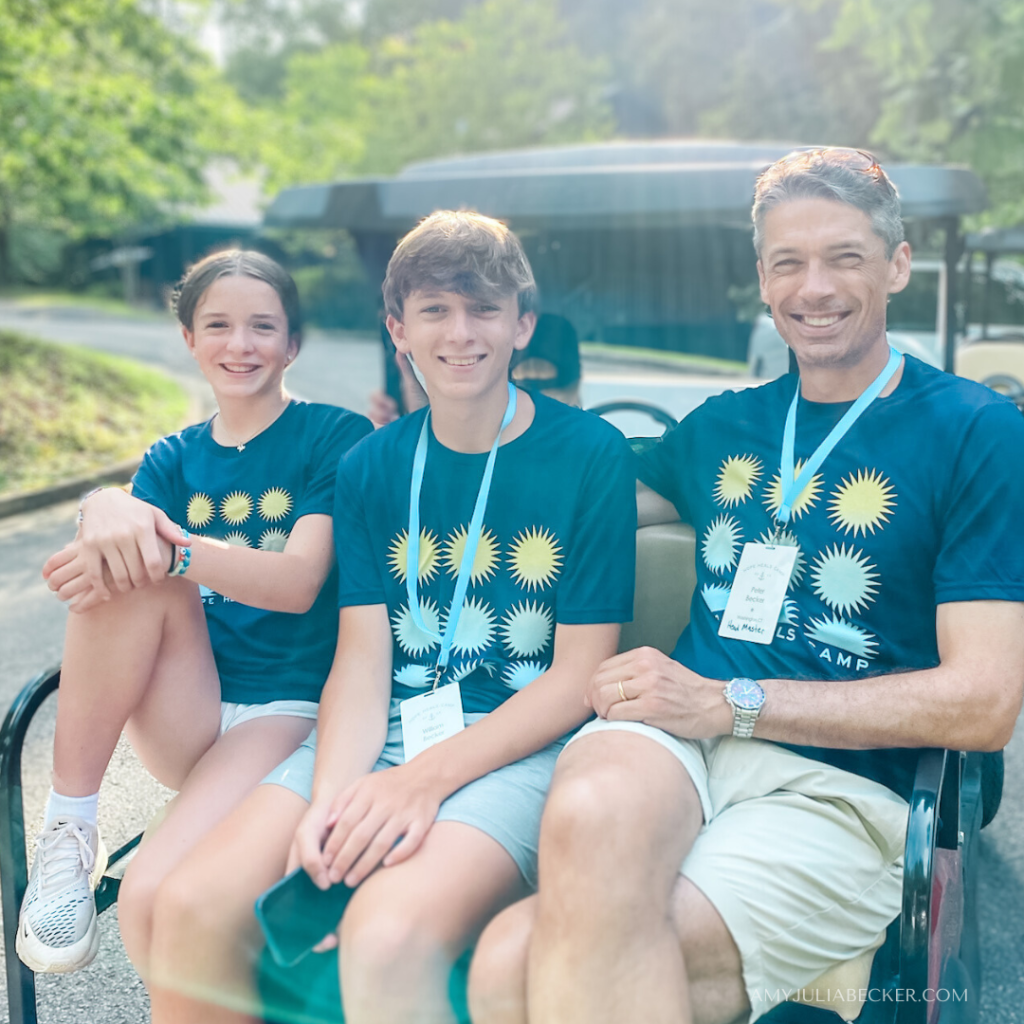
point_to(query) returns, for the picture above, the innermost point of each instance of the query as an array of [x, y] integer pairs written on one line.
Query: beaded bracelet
[[181, 557], [80, 518]]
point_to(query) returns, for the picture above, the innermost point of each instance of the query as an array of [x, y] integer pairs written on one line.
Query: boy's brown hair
[[459, 251]]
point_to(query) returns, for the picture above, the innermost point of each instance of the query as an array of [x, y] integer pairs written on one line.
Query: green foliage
[[65, 411], [106, 116], [504, 75]]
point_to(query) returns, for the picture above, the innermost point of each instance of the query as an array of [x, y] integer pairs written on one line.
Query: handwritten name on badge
[[431, 717], [758, 591]]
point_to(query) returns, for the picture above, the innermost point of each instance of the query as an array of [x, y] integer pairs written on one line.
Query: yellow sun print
[[806, 499], [737, 478], [238, 539], [236, 508], [535, 558], [485, 561], [200, 511], [274, 504], [398, 554], [862, 502]]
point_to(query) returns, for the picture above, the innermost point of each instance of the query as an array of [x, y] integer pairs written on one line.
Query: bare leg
[[498, 977], [408, 924], [224, 776], [205, 939], [621, 816], [144, 659]]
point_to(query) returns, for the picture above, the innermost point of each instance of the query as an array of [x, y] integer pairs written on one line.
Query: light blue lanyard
[[476, 524], [795, 489]]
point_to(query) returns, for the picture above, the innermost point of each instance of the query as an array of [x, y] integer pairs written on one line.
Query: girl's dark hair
[[237, 263]]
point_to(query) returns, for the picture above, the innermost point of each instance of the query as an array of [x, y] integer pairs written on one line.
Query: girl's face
[[240, 338]]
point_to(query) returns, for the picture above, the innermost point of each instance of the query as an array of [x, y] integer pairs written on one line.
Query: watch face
[[745, 694]]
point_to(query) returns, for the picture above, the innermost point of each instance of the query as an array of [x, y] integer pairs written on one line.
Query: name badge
[[758, 591], [431, 717]]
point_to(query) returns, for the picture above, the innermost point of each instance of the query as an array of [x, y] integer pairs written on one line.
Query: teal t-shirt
[[253, 498], [918, 505], [557, 546]]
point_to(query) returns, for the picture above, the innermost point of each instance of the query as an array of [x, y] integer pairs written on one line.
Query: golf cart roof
[[664, 184], [996, 240]]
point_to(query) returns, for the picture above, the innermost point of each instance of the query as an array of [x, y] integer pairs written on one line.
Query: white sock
[[58, 806]]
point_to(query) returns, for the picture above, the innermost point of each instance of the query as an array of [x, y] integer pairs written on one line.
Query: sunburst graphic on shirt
[[416, 677], [485, 561], [721, 544], [716, 596], [787, 539], [236, 508], [863, 501], [521, 673], [526, 629], [200, 511], [837, 632], [238, 539], [844, 579], [467, 668], [274, 504], [535, 558], [790, 614], [805, 500], [475, 630], [737, 478], [273, 539], [409, 636], [398, 554]]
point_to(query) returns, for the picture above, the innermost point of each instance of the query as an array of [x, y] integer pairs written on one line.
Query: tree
[[107, 117], [504, 75]]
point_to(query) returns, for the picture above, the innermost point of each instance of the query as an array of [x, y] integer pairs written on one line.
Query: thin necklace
[[240, 445]]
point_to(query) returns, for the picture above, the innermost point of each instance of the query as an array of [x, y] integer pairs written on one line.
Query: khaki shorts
[[803, 861]]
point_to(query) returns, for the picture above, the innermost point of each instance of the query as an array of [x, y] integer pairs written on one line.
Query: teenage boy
[[486, 550]]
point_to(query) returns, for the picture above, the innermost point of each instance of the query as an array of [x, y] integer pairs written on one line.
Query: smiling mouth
[[461, 360], [820, 319], [239, 368]]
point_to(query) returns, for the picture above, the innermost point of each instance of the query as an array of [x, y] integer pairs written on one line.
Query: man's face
[[461, 344], [825, 275]]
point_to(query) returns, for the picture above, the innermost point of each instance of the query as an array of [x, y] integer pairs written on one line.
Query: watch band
[[743, 721]]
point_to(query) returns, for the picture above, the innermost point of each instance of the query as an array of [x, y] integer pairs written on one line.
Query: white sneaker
[[57, 928]]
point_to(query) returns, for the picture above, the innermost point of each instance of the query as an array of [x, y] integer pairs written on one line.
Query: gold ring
[[622, 692]]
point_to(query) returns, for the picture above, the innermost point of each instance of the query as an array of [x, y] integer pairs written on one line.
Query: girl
[[202, 624]]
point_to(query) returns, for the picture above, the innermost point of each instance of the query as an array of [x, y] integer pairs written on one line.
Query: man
[[893, 623]]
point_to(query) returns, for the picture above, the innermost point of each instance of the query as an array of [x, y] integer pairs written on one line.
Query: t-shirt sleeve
[[662, 466], [337, 431], [600, 565], [359, 572], [981, 556], [158, 477]]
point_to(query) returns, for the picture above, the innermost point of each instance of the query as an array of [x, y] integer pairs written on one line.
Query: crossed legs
[[615, 933]]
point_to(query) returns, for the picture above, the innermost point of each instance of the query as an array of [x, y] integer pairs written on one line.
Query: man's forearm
[[937, 707]]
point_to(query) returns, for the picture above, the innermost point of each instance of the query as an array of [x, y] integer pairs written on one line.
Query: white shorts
[[235, 714], [803, 861]]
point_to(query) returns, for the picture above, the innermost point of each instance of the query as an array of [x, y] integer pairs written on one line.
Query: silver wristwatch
[[746, 698]]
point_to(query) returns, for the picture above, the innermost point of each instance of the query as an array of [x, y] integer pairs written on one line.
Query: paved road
[[341, 369]]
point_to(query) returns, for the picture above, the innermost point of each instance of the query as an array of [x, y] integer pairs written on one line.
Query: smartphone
[[295, 915], [392, 375]]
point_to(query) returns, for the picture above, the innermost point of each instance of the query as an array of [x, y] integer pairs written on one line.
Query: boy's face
[[461, 344]]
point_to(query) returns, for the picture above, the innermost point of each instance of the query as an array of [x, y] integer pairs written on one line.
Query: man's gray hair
[[842, 175]]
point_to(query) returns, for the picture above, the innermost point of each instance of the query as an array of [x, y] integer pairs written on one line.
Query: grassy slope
[[65, 411]]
